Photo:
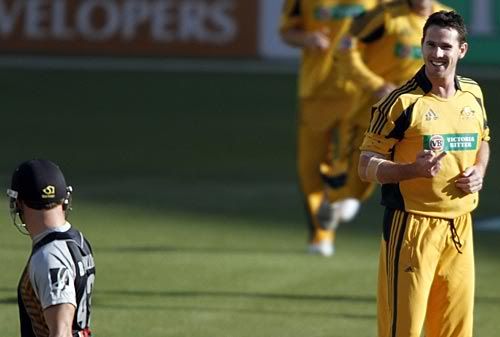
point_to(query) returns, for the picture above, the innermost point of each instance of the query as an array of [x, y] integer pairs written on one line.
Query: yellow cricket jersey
[[389, 38], [332, 16], [412, 119]]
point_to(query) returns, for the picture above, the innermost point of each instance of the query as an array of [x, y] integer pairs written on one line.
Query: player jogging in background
[[381, 51], [55, 289], [316, 26], [427, 145]]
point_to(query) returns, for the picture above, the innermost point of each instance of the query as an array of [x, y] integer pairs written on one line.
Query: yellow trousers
[[426, 276], [319, 120], [354, 131]]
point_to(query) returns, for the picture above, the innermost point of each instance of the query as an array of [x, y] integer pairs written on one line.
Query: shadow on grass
[[238, 295], [339, 299], [8, 300], [230, 310], [208, 250], [241, 295]]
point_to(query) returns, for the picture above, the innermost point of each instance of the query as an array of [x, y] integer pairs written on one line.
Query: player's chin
[[437, 70]]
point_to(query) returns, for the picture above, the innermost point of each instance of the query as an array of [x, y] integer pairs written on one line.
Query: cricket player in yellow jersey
[[316, 26], [427, 144], [380, 51]]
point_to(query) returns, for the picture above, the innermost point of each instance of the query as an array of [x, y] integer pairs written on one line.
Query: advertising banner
[[129, 27], [193, 28], [270, 43]]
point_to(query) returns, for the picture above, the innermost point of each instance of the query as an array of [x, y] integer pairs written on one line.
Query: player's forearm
[[483, 157], [375, 168], [294, 37], [59, 319], [391, 172], [61, 334]]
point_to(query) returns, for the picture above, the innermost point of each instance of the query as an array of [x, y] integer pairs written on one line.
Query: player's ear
[[463, 49]]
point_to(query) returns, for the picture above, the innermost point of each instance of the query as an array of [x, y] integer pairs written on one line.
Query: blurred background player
[[55, 289], [316, 27], [380, 52]]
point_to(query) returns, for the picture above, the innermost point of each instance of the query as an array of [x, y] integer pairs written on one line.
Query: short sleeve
[[386, 127], [486, 129], [52, 274], [291, 16], [472, 87], [486, 134]]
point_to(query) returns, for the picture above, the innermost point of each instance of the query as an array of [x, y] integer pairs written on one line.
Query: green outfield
[[185, 185]]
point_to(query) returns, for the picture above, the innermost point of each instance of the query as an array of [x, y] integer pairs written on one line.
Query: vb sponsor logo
[[451, 142], [436, 143]]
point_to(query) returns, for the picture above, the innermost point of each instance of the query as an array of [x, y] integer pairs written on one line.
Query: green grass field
[[185, 185]]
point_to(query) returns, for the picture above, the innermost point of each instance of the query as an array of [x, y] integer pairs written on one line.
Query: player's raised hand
[[428, 163], [471, 180], [318, 40]]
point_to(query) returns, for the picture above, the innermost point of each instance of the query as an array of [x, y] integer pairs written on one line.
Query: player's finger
[[468, 171], [438, 158], [424, 154], [463, 181]]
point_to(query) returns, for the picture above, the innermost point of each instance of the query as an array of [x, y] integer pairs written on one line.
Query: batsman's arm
[[59, 319]]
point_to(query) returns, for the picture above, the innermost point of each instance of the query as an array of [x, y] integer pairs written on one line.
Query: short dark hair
[[446, 19], [39, 207]]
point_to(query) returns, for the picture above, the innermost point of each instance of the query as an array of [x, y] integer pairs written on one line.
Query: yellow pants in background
[[319, 119]]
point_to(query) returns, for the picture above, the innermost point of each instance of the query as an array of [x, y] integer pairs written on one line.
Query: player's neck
[[442, 86], [38, 221], [444, 89]]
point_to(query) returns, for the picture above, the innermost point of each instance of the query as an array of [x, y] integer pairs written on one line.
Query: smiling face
[[441, 49]]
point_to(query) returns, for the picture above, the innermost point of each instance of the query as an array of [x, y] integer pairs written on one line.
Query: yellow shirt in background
[[334, 17], [385, 45]]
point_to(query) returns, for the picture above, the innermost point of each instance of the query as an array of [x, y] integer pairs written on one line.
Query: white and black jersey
[[60, 270]]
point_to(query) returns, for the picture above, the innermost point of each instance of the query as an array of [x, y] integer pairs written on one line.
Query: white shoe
[[324, 247], [345, 210], [328, 217]]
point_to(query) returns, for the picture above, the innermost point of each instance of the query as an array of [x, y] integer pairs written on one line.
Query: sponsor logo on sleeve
[[451, 142], [59, 280]]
